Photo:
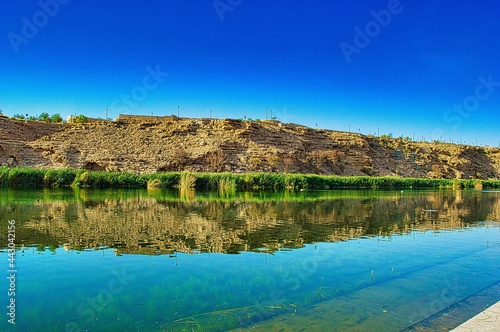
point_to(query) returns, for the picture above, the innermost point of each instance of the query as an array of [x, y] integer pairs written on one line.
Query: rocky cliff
[[144, 144]]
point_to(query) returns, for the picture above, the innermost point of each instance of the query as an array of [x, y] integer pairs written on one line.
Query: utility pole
[[106, 118], [178, 110], [349, 129], [271, 114], [267, 109]]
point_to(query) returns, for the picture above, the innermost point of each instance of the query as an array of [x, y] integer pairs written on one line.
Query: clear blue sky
[[422, 68]]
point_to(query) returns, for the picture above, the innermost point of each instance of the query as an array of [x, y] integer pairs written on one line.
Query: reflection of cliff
[[147, 225], [494, 213]]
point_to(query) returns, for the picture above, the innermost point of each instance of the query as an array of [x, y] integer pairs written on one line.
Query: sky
[[426, 69]]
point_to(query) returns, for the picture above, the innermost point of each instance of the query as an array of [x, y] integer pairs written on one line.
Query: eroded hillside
[[142, 144]]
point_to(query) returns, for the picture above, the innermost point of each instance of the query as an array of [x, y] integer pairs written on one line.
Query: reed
[[222, 182], [154, 184], [227, 184], [4, 176], [109, 180], [478, 185], [59, 178], [456, 184], [23, 177], [162, 180], [187, 180]]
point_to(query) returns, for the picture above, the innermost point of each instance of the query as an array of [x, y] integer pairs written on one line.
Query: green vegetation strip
[[21, 177]]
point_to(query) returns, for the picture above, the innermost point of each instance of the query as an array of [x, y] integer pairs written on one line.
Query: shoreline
[[26, 177]]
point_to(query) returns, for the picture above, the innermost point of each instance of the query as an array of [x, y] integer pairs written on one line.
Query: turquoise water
[[346, 261]]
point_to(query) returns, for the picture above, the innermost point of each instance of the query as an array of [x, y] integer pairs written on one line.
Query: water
[[90, 260]]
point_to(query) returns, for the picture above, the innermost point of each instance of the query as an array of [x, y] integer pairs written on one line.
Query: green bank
[[21, 177]]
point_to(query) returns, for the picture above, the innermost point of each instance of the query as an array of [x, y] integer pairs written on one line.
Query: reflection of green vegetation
[[30, 177], [27, 196], [163, 221]]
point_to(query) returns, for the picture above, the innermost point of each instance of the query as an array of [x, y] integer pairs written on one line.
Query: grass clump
[[162, 180], [59, 178], [24, 177], [187, 180], [109, 180]]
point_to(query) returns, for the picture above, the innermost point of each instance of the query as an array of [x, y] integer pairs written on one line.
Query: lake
[[155, 260]]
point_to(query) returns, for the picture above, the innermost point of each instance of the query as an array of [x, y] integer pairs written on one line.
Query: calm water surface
[[94, 260]]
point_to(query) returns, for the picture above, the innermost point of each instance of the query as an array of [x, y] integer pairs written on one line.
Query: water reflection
[[163, 222]]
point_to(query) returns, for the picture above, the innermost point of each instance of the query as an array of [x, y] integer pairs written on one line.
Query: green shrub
[[18, 117], [295, 182], [25, 177], [59, 178], [80, 119], [4, 175], [45, 117], [56, 118]]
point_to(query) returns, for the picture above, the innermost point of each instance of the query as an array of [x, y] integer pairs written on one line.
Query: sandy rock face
[[146, 144]]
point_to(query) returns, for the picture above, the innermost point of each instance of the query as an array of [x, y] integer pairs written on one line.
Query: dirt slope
[[142, 144]]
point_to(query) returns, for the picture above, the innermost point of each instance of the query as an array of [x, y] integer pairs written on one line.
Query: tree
[[56, 118], [80, 119], [18, 117], [45, 117]]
